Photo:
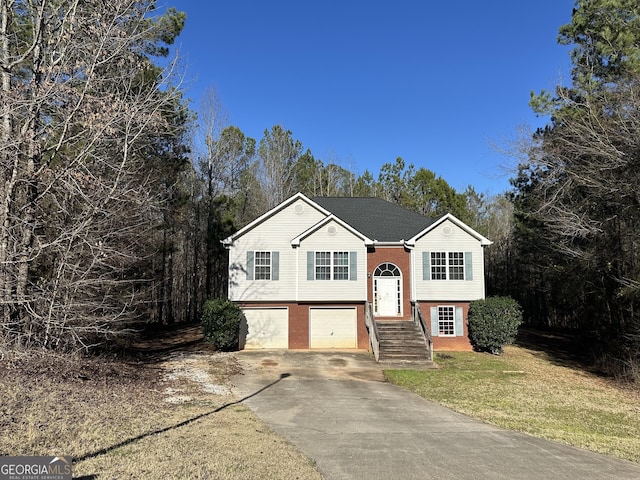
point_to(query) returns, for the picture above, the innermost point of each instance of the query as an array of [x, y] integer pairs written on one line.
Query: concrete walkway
[[337, 408]]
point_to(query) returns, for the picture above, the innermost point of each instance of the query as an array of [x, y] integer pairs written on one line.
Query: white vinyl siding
[[345, 273], [433, 274], [272, 235]]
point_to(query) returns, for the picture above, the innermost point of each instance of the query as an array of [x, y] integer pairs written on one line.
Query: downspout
[[297, 274], [484, 277], [412, 274]]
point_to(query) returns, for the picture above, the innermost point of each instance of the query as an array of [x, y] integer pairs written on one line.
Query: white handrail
[[419, 319], [373, 330]]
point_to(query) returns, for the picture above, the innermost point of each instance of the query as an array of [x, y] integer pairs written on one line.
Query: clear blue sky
[[361, 82]]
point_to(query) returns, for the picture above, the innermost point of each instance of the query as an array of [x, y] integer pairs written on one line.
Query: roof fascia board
[[250, 226], [295, 242], [483, 240]]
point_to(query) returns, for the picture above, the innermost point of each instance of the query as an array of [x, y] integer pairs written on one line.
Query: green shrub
[[221, 320], [493, 323]]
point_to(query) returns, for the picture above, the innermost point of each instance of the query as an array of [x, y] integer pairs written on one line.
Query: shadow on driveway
[[337, 408]]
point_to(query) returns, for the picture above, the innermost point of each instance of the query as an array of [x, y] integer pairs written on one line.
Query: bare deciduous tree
[[278, 153], [82, 105]]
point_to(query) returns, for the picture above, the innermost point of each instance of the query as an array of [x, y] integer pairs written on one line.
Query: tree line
[[114, 196], [90, 150], [576, 194]]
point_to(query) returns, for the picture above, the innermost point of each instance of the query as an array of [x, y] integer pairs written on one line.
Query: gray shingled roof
[[377, 219]]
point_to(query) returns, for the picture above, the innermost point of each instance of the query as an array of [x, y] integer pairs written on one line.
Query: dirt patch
[[153, 409], [337, 362], [198, 373]]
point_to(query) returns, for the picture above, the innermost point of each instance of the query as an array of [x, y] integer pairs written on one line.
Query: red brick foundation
[[299, 322], [456, 344]]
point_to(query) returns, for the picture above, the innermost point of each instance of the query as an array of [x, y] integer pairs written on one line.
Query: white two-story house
[[318, 272]]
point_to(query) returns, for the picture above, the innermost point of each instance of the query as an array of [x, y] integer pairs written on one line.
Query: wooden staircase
[[402, 342]]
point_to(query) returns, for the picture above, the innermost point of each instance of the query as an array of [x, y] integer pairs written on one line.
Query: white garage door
[[268, 327], [333, 328]]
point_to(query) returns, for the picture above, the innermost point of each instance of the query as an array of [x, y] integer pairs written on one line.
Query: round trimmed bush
[[221, 319], [493, 323]]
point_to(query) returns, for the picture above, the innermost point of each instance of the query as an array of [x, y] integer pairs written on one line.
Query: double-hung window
[[341, 265], [446, 321], [438, 266], [331, 266], [262, 265], [456, 265], [323, 265], [448, 266]]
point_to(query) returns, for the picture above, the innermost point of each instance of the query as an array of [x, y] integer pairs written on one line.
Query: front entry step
[[402, 341]]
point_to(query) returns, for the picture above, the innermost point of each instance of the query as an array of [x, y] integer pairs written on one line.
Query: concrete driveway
[[337, 408]]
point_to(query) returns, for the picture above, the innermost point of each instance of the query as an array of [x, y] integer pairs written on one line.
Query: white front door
[[387, 295]]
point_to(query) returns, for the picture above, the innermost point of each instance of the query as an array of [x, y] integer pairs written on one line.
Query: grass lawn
[[172, 417], [531, 391]]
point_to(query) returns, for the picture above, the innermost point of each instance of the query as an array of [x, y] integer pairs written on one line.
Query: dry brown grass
[[170, 418]]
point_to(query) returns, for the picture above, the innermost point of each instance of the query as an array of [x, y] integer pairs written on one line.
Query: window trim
[[459, 326], [452, 309], [454, 263], [341, 265], [274, 265], [447, 266], [333, 265], [268, 265]]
